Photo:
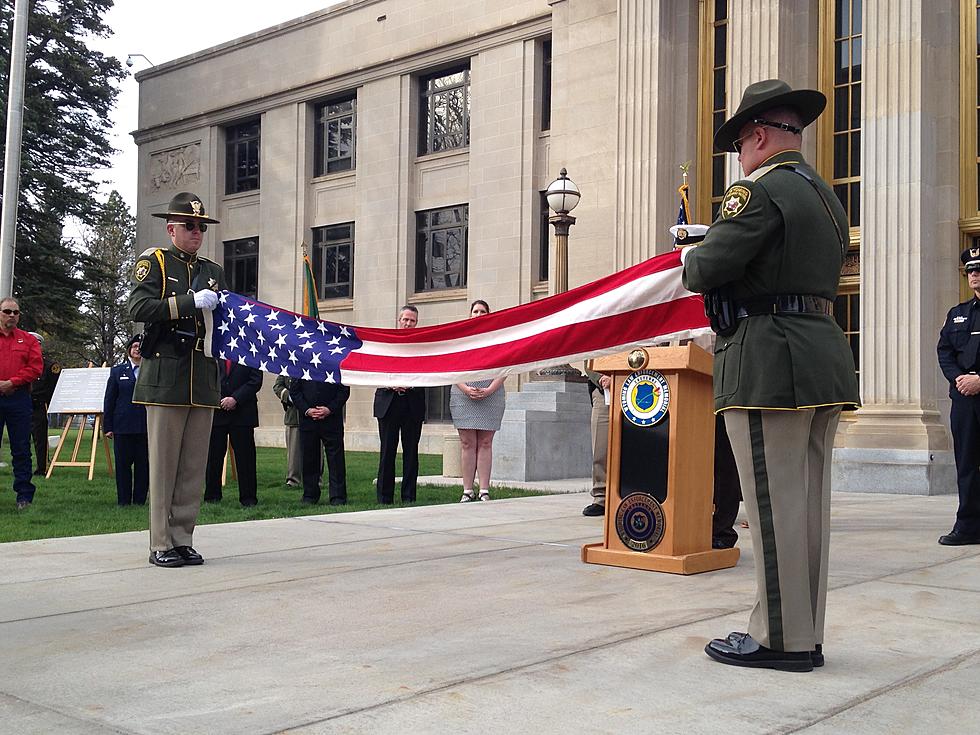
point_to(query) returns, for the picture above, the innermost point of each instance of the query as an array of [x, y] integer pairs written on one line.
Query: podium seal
[[645, 397], [640, 522]]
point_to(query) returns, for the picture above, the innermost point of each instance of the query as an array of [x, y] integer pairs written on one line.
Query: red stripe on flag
[[639, 326]]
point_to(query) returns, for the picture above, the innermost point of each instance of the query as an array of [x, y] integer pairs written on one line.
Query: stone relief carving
[[173, 168]]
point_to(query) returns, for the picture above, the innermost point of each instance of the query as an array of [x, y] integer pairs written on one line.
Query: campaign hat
[[188, 206], [760, 97]]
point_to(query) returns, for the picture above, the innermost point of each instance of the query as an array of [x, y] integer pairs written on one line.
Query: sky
[[163, 31]]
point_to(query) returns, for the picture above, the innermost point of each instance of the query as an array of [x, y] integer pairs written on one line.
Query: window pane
[[840, 109], [856, 153], [721, 46], [718, 175], [441, 248], [855, 106], [843, 15], [856, 60], [856, 17], [721, 9], [841, 191], [719, 87], [840, 156], [856, 204], [842, 62]]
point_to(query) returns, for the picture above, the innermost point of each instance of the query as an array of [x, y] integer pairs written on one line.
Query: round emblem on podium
[[640, 522], [645, 397]]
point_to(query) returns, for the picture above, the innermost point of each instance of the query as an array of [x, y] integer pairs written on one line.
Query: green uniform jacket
[[281, 389], [775, 236], [175, 372]]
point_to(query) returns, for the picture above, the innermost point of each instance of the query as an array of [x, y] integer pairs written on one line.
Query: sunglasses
[[737, 144], [11, 312], [191, 226]]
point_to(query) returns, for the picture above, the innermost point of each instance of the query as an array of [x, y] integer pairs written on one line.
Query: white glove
[[205, 299]]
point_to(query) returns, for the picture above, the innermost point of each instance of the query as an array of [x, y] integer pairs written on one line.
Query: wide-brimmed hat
[[187, 205], [762, 96], [135, 339], [970, 258]]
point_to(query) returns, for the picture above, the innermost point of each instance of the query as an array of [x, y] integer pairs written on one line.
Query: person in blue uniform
[[125, 424], [959, 341]]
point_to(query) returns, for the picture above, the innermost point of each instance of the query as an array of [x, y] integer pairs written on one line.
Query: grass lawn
[[69, 505]]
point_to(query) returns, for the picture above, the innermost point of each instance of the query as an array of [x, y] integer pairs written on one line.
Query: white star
[[246, 306], [264, 366], [334, 341], [307, 345], [298, 322], [321, 328], [223, 327], [241, 360], [284, 371], [315, 360], [330, 378], [344, 332], [233, 343], [231, 316], [277, 326], [292, 357], [260, 337], [241, 332], [223, 296], [281, 340], [251, 348], [272, 316], [272, 354], [337, 351], [304, 335], [250, 318], [221, 355], [306, 375]]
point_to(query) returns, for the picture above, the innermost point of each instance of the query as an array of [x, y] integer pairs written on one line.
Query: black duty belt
[[785, 304]]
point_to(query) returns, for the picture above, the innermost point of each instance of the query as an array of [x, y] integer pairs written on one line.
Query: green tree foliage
[[69, 92], [110, 243]]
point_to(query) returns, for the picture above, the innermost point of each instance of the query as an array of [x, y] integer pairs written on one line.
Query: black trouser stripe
[[773, 600]]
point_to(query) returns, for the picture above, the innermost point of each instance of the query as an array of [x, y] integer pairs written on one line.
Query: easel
[[96, 435], [229, 455]]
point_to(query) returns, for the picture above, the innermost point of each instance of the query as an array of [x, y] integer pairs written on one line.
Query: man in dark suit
[[236, 419], [401, 411], [125, 424], [321, 421], [41, 391]]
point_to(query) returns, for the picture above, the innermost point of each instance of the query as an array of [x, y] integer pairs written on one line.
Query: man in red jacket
[[20, 365]]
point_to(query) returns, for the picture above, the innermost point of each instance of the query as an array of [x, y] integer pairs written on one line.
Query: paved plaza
[[476, 618]]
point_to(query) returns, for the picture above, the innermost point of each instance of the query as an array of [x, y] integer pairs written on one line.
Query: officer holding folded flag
[[172, 288]]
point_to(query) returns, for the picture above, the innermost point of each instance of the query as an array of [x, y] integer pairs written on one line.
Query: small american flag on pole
[[641, 305]]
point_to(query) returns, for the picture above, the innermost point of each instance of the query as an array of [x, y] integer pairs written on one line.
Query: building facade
[[406, 143]]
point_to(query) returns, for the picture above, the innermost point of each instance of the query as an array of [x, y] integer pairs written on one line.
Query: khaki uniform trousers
[[294, 457], [784, 460], [178, 437], [600, 445]]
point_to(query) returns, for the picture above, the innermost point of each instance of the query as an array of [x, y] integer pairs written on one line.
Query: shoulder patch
[[735, 200], [142, 270]]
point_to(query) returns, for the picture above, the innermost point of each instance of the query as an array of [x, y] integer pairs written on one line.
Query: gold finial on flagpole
[[685, 167], [306, 253]]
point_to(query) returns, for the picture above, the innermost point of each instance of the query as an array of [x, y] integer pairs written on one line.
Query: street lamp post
[[563, 196]]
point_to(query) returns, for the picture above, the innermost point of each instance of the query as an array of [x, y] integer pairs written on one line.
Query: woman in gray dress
[[477, 409]]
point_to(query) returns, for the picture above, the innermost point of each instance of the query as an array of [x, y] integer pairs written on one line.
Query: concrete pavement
[[475, 618]]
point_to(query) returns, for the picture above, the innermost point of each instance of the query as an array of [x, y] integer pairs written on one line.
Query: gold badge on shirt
[[735, 201], [142, 270]]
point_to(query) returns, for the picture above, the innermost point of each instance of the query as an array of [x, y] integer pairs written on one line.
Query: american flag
[[638, 306]]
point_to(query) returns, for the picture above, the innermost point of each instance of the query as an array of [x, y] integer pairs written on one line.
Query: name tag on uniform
[[171, 278], [959, 319], [124, 377]]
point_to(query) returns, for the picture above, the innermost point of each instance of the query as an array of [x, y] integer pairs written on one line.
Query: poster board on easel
[[80, 393]]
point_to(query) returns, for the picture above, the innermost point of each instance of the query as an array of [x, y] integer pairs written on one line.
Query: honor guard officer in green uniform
[[769, 268], [178, 383]]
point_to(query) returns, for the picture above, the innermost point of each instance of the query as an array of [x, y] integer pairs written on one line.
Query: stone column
[[909, 164]]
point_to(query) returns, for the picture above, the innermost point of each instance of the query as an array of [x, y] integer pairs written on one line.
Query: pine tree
[[69, 92]]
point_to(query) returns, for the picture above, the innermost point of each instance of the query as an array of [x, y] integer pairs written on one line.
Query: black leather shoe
[[308, 501], [169, 558], [338, 501], [958, 538], [594, 510], [816, 656], [741, 649], [190, 557], [249, 503]]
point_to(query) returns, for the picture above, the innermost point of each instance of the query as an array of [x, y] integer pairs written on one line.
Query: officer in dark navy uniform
[[125, 424], [958, 345]]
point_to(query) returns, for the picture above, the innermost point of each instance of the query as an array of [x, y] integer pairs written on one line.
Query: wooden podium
[[660, 465]]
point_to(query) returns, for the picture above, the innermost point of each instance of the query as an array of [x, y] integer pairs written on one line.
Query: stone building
[[407, 143]]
